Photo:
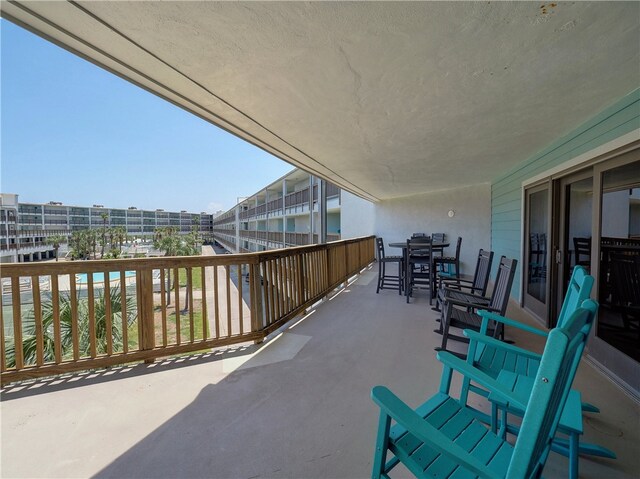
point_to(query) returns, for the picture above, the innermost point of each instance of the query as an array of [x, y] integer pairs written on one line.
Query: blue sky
[[75, 133]]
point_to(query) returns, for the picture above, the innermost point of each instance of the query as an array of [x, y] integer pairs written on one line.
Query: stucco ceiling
[[384, 99]]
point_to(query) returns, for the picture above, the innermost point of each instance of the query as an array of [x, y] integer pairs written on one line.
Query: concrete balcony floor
[[297, 406]]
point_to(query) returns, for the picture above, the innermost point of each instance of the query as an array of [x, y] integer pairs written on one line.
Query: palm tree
[[29, 341], [56, 241], [103, 242], [80, 244], [166, 240], [120, 234], [190, 246]]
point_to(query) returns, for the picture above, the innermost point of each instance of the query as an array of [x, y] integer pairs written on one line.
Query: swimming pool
[[99, 277]]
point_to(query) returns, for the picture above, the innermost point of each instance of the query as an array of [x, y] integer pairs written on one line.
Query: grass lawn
[[196, 275]]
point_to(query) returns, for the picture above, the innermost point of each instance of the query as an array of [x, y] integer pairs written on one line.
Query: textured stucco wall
[[397, 219], [357, 216]]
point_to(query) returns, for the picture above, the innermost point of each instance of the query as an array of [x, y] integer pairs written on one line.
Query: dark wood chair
[[582, 252], [438, 238], [476, 285], [418, 257], [447, 267], [537, 257], [625, 270], [388, 280], [461, 311]]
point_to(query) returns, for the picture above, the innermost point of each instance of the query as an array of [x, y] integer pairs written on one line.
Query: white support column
[[266, 215], [284, 214], [311, 222], [238, 209], [322, 211]]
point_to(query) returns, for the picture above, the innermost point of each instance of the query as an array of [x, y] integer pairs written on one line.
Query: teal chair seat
[[445, 421]]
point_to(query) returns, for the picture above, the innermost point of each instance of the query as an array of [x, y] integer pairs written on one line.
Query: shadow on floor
[[85, 378]]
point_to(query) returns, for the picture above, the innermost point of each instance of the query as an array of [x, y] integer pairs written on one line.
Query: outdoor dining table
[[436, 246]]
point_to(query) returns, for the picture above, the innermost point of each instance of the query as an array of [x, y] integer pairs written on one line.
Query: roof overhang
[[382, 99]]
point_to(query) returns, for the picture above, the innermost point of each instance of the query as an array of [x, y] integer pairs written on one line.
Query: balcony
[[298, 239], [120, 311], [295, 406], [275, 206], [297, 199]]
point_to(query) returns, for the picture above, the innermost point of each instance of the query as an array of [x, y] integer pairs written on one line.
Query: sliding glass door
[[574, 226], [536, 249], [617, 341], [590, 217]]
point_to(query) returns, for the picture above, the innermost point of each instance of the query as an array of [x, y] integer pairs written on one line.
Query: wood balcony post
[[144, 281], [256, 299]]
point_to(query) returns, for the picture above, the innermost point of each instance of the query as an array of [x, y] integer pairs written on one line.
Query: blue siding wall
[[506, 191]]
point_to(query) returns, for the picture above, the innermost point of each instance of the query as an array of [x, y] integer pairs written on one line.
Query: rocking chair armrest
[[467, 304], [480, 377], [487, 315], [472, 297], [476, 337], [456, 284], [395, 408]]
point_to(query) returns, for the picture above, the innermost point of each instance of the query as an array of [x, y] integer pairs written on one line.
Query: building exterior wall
[[25, 237], [283, 213], [397, 219], [506, 192]]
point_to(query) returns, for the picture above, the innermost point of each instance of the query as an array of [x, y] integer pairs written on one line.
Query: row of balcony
[[21, 246], [291, 200]]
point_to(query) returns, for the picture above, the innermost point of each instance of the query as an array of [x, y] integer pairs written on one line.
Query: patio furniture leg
[[573, 456], [382, 443]]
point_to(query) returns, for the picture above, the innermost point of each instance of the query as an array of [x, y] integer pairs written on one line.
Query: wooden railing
[[297, 198], [299, 238], [332, 190], [32, 244], [40, 232], [275, 205], [70, 316], [229, 242]]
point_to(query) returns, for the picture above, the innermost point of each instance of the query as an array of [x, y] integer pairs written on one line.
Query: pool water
[[99, 277]]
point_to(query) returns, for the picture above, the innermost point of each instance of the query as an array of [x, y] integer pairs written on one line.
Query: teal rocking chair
[[515, 367], [492, 357], [444, 438]]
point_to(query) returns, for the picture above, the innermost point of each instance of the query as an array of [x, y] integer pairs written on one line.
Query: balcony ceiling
[[383, 99]]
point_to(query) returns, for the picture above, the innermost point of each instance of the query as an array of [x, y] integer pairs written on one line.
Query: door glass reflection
[[538, 221], [619, 291], [579, 208]]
